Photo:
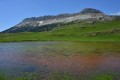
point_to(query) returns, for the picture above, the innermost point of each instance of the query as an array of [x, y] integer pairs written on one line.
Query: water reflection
[[68, 56]]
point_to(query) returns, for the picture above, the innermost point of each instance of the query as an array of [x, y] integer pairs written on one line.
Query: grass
[[104, 77], [65, 76], [100, 31], [83, 48]]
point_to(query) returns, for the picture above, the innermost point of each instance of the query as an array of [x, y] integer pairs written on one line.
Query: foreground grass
[[100, 31], [64, 76]]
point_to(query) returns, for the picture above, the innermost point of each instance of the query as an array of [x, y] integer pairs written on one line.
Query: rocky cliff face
[[90, 10], [46, 23]]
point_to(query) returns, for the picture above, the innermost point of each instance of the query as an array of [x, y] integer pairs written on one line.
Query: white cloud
[[118, 13]]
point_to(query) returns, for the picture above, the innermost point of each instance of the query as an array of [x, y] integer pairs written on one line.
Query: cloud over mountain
[[118, 13]]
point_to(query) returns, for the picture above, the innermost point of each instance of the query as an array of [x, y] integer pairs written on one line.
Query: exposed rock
[[90, 10], [47, 23]]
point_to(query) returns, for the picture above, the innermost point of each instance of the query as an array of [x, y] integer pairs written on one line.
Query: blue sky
[[14, 11]]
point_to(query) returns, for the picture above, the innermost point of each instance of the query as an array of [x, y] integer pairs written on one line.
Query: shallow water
[[74, 57]]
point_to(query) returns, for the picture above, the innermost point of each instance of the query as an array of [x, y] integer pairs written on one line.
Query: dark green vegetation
[[62, 76], [74, 31]]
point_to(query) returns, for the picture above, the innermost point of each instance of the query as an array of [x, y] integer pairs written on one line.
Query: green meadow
[[78, 38], [80, 31], [63, 76]]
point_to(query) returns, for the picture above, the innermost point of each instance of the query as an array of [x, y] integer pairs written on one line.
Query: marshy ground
[[60, 60]]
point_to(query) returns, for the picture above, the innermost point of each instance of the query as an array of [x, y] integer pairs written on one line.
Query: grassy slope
[[74, 32], [100, 31]]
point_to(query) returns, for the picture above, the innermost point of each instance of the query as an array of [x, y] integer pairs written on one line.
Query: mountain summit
[[90, 10], [47, 23], [84, 11]]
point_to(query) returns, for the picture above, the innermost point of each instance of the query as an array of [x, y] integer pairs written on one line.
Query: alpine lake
[[78, 59]]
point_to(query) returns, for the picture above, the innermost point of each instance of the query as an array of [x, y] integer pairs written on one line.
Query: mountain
[[90, 10], [47, 23]]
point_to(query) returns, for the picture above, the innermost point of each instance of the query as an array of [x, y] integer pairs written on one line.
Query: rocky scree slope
[[47, 23]]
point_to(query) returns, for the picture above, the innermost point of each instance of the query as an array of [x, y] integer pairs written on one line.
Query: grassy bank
[[64, 76], [100, 31]]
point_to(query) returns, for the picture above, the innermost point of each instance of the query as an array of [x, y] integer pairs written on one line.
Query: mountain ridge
[[84, 11], [47, 23]]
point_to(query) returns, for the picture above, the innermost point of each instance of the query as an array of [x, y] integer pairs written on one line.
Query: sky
[[13, 12]]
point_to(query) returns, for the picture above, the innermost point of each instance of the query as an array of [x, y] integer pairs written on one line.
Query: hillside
[[74, 31], [88, 25], [47, 23]]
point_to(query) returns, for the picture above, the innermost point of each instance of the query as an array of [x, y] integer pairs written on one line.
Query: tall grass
[[65, 76]]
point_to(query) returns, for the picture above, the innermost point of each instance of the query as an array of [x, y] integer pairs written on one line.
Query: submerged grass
[[83, 48]]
